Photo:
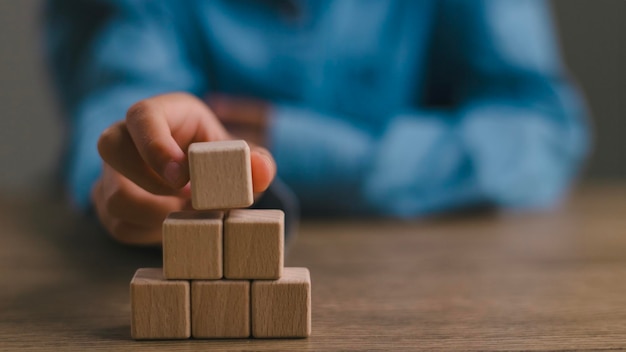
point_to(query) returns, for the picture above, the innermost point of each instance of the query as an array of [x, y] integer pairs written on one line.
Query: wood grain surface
[[193, 245], [282, 308], [549, 281], [159, 307], [221, 175], [254, 244], [220, 308]]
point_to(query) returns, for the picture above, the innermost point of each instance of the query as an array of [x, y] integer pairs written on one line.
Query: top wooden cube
[[221, 176]]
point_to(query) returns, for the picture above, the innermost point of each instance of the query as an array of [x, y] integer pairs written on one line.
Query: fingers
[[162, 128], [122, 231], [263, 168], [145, 176], [128, 202], [134, 216], [129, 213], [118, 150], [149, 146]]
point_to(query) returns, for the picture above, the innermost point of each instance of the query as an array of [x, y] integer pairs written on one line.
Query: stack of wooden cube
[[222, 274]]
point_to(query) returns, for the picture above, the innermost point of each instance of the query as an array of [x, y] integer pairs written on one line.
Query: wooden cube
[[282, 308], [220, 309], [254, 244], [192, 245], [159, 307], [221, 175]]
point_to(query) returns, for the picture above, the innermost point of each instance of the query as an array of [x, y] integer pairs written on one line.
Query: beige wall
[[593, 38], [30, 133]]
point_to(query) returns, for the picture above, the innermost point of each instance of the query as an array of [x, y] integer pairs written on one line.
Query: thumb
[[263, 168]]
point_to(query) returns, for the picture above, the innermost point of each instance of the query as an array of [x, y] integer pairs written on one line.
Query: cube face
[[221, 175], [160, 309], [254, 244], [282, 308], [193, 245], [220, 309]]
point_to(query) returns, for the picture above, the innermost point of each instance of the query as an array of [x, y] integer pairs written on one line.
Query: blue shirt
[[382, 107]]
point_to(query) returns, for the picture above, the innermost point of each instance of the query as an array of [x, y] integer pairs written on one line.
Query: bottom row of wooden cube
[[179, 309]]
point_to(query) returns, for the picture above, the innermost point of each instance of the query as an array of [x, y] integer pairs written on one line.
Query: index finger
[[162, 128]]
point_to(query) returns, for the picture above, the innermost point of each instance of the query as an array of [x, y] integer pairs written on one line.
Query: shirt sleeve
[[104, 56], [509, 128]]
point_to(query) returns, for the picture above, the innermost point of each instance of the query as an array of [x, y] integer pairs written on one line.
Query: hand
[[145, 173], [246, 118]]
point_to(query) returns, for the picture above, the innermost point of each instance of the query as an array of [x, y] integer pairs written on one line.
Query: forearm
[[500, 151], [527, 149], [322, 157]]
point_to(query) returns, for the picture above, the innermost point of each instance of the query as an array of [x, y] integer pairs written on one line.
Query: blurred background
[[593, 42]]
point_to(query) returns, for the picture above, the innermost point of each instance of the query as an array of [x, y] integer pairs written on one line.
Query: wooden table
[[507, 281]]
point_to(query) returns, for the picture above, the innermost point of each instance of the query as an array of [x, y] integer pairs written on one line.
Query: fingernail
[[262, 151], [269, 161], [172, 172]]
